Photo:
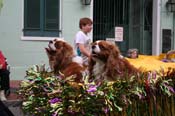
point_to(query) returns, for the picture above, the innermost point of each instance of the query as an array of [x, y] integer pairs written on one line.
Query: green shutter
[[41, 18], [52, 15], [32, 14]]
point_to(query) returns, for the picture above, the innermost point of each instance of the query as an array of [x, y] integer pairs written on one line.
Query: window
[[166, 44], [135, 16], [108, 14], [41, 18]]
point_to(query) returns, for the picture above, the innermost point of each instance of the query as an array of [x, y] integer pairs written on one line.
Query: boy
[[82, 40]]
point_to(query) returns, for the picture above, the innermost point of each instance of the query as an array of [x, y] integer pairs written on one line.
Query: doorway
[[135, 16]]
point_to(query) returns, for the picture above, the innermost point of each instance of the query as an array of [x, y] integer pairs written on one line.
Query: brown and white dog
[[62, 59], [106, 62]]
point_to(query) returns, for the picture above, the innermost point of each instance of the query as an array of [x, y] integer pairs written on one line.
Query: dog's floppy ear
[[69, 49], [113, 61], [90, 68], [114, 55]]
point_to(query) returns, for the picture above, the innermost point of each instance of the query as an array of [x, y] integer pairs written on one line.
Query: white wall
[[23, 54]]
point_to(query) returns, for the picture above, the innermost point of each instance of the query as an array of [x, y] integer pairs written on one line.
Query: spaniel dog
[[62, 60], [106, 62]]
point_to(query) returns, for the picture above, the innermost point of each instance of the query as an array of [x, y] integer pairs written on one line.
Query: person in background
[[132, 53], [4, 77], [82, 40]]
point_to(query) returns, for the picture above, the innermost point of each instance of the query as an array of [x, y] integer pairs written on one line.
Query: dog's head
[[59, 53], [106, 57], [104, 51]]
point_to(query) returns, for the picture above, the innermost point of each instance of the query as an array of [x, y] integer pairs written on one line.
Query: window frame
[[45, 38]]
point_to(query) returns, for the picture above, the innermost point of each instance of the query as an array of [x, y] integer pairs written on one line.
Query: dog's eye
[[93, 47], [57, 45], [102, 47]]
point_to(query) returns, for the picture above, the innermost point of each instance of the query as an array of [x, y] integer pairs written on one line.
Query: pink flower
[[92, 88]]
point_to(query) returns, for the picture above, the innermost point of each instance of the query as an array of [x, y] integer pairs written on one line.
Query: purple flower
[[59, 77], [92, 88], [70, 111], [54, 100], [140, 96], [154, 75], [106, 110], [165, 60], [149, 76], [171, 89], [54, 114]]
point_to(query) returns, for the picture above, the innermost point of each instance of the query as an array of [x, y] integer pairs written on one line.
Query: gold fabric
[[151, 63]]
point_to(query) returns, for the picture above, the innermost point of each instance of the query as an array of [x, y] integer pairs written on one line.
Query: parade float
[[146, 94], [154, 63]]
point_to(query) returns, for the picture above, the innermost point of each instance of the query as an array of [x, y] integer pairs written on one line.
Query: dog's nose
[[93, 47], [50, 41]]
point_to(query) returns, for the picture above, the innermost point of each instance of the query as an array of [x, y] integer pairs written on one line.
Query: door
[[135, 16]]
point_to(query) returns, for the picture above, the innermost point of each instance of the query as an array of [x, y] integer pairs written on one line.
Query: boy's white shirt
[[82, 38], [78, 60]]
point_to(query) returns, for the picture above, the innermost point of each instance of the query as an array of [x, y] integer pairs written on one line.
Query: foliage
[[46, 94], [1, 4]]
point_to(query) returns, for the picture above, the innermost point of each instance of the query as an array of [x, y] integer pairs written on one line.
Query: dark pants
[[4, 111], [4, 79]]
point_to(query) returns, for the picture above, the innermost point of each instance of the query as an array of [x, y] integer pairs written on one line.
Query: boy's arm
[[83, 50]]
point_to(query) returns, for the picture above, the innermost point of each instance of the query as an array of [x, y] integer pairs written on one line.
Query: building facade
[[26, 26]]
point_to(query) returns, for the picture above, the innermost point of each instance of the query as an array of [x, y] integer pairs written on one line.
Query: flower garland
[[45, 94]]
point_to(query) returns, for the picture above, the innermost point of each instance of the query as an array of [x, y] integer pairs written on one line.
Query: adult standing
[[4, 77]]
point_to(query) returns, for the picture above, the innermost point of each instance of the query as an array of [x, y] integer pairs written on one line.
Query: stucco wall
[[23, 54], [73, 10]]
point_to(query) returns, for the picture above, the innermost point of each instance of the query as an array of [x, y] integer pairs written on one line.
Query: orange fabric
[[151, 63], [3, 61]]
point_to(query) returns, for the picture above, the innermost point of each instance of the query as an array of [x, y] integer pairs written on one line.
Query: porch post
[[156, 28]]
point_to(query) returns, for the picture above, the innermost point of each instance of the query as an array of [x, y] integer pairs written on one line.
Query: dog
[[107, 63], [62, 60]]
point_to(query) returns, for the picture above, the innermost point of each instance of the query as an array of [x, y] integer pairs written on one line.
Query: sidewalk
[[13, 100], [14, 86]]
